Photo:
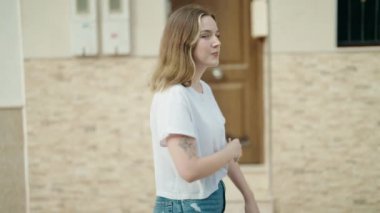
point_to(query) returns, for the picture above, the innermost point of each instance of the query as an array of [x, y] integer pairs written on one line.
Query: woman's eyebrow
[[209, 31]]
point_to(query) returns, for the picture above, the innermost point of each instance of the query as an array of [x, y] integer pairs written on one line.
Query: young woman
[[191, 154]]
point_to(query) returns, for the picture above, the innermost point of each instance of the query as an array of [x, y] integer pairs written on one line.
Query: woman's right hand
[[234, 148]]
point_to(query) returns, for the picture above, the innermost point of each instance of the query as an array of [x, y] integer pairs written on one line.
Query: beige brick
[[326, 132], [89, 138]]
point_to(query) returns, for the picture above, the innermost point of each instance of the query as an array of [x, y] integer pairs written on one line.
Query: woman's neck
[[196, 80]]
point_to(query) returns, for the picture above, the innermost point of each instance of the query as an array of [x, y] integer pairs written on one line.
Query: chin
[[214, 64]]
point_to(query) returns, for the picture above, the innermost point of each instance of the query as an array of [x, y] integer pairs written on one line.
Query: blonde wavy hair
[[176, 64]]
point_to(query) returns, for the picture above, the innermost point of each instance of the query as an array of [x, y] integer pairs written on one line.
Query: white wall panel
[[302, 25], [11, 63]]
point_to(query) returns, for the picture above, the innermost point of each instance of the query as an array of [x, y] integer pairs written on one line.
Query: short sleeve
[[175, 115]]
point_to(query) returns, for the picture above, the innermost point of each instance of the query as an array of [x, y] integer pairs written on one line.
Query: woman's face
[[207, 48]]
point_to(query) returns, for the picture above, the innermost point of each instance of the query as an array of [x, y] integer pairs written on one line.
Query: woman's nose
[[216, 42]]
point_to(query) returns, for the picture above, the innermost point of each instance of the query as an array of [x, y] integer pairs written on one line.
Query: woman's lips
[[216, 54]]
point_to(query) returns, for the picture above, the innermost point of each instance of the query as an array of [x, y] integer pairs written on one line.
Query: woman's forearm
[[237, 177], [200, 167], [208, 165], [190, 166]]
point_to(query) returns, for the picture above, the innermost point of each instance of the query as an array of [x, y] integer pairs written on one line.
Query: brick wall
[[89, 140], [88, 135], [326, 132]]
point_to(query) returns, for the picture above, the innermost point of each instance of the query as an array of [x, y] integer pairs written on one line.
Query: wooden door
[[237, 81]]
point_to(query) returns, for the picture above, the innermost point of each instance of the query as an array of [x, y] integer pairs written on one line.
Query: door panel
[[235, 81], [229, 97]]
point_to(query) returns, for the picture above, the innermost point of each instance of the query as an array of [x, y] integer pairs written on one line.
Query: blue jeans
[[215, 203]]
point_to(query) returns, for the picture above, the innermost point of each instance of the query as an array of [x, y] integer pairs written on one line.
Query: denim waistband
[[215, 203]]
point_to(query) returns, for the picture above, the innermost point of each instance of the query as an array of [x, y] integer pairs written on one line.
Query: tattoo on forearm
[[188, 147]]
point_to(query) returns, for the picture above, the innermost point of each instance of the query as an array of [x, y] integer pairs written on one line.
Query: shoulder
[[173, 93], [175, 90]]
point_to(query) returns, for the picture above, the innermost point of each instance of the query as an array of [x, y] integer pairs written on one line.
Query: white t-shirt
[[182, 110]]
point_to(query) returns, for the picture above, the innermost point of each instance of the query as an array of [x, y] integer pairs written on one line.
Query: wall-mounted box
[[84, 38], [259, 18], [115, 24]]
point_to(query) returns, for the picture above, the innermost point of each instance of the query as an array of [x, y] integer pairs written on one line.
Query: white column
[[13, 155]]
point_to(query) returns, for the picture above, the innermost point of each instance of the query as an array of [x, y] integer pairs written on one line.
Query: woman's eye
[[205, 36]]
